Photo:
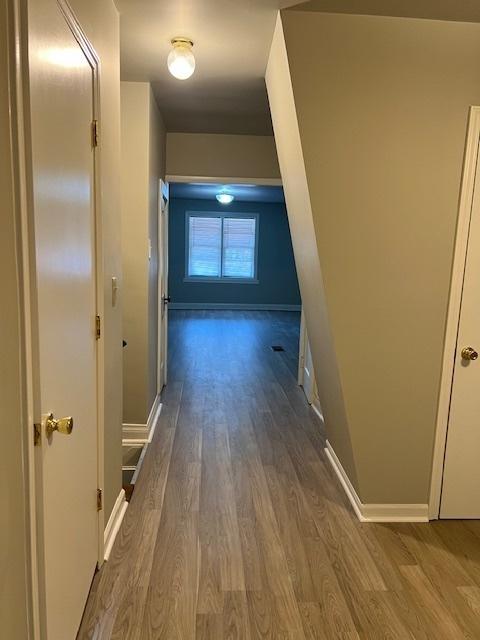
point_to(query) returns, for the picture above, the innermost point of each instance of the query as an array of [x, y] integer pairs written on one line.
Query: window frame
[[221, 279]]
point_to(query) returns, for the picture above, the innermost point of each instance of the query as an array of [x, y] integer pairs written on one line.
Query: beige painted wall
[[382, 107], [310, 278], [143, 164], [100, 21], [156, 170], [14, 611], [222, 156]]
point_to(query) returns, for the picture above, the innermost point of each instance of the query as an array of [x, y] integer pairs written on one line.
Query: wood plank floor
[[238, 527]]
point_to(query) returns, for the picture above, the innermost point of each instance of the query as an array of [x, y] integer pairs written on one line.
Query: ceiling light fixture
[[181, 61], [225, 198]]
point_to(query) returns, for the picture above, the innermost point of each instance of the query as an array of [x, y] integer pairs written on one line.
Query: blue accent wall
[[278, 283]]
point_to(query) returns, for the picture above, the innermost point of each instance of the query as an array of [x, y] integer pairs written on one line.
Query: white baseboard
[[138, 433], [234, 306], [375, 512], [114, 522], [316, 407]]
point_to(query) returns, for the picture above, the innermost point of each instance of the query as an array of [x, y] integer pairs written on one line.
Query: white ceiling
[[231, 38]]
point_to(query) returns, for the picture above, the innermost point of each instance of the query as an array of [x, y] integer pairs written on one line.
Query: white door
[[62, 85], [461, 476], [163, 297]]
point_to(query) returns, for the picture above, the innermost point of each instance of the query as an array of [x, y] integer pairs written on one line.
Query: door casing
[[162, 331], [454, 307]]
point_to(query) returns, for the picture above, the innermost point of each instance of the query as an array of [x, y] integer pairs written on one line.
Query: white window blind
[[239, 247], [222, 247], [205, 247]]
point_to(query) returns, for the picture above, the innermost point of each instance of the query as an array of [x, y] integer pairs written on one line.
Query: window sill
[[207, 280]]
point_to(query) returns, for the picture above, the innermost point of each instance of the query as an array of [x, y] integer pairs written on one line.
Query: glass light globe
[[181, 61], [224, 198]]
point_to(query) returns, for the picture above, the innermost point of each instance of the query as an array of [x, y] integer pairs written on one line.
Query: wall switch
[[114, 291]]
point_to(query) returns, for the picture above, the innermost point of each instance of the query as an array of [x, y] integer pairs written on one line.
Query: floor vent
[[277, 347]]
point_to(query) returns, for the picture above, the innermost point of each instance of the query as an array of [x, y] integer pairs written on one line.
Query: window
[[221, 247]]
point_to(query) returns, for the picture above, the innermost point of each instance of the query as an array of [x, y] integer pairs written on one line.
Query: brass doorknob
[[63, 425], [469, 353]]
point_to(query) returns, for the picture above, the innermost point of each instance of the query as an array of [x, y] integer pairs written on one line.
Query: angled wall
[[382, 107], [310, 277]]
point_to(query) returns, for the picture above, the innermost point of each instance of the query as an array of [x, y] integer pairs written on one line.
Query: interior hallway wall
[[382, 108], [216, 155], [143, 164], [277, 276]]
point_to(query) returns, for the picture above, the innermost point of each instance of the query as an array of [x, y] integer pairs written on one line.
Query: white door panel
[[62, 81], [461, 478]]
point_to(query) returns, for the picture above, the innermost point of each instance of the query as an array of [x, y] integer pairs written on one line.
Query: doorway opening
[[230, 250]]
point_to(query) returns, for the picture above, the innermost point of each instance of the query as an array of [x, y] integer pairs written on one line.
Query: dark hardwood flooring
[[238, 527]]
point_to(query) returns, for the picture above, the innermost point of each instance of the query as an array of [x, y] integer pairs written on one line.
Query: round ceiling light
[[181, 61], [225, 198]]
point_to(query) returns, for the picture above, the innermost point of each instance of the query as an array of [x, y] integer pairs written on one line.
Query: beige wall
[[100, 21], [14, 611], [305, 248], [143, 164], [382, 106], [221, 156], [156, 170]]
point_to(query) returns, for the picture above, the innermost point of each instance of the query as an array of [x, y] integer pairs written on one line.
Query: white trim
[[141, 433], [135, 467], [17, 44], [316, 407], [301, 351], [453, 315], [162, 310], [375, 512], [235, 306], [268, 182], [114, 522], [153, 417], [134, 433]]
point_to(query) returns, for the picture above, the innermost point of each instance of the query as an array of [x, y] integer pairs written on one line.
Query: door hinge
[[99, 499], [36, 434], [98, 327], [95, 137]]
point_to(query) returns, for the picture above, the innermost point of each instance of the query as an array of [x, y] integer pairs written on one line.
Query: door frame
[[23, 179], [454, 307], [162, 243]]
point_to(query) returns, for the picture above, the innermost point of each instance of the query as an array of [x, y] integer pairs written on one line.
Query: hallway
[[238, 527]]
